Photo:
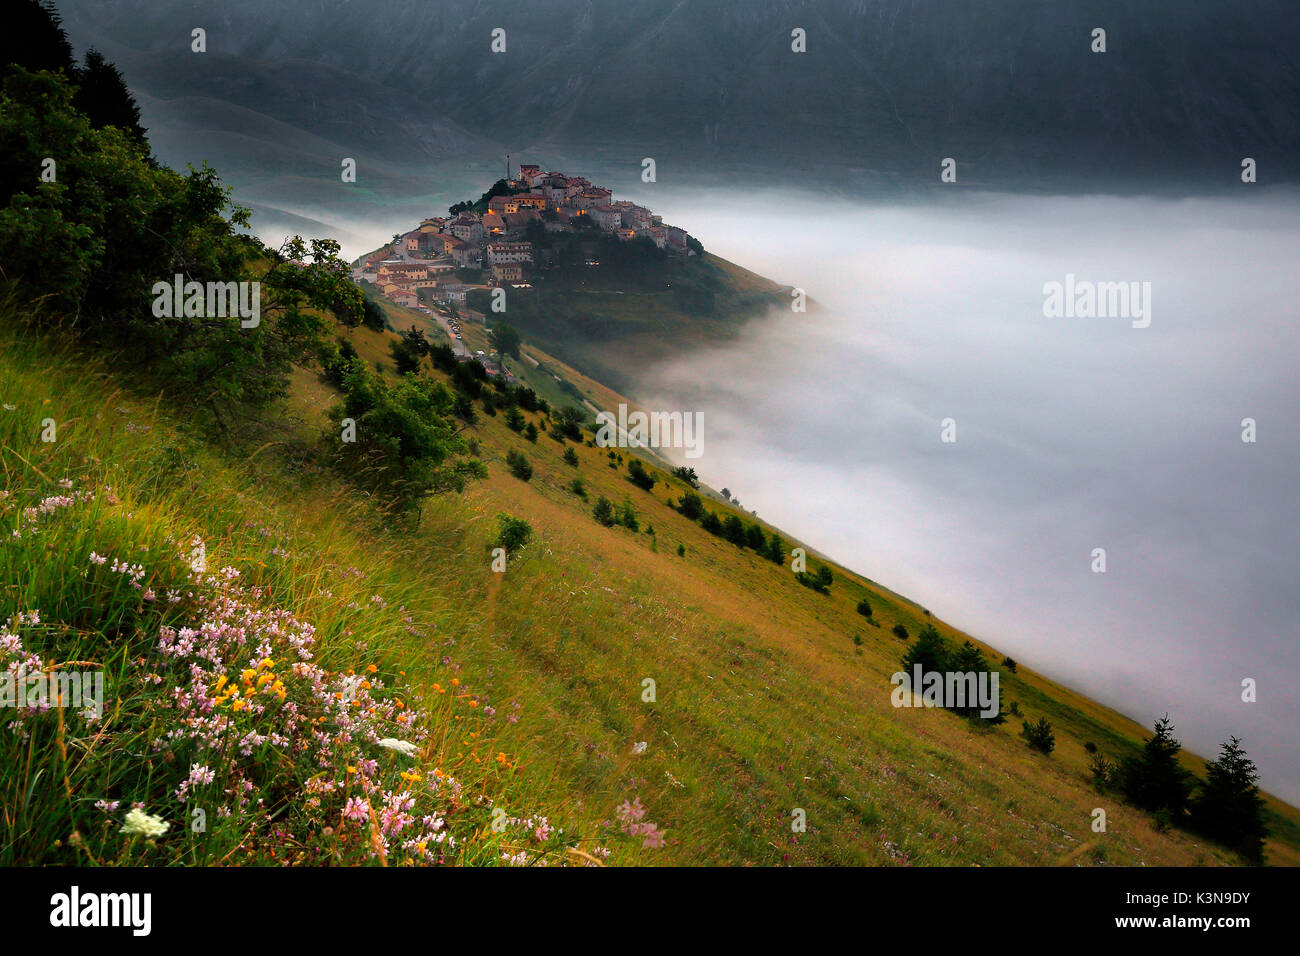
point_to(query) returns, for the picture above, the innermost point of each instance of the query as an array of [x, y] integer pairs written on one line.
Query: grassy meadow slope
[[763, 703]]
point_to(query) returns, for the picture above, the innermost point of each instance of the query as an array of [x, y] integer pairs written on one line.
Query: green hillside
[[353, 602], [763, 702]]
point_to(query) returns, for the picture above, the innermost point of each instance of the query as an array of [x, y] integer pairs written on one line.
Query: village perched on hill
[[505, 235]]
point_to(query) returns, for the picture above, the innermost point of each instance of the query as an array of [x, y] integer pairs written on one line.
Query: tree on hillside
[[691, 506], [775, 549], [687, 475], [1154, 780], [404, 444], [970, 659], [931, 651], [1229, 808], [637, 474], [504, 340], [733, 529], [103, 96], [122, 225], [34, 38]]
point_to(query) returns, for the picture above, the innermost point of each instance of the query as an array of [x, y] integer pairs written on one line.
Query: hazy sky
[[1072, 433]]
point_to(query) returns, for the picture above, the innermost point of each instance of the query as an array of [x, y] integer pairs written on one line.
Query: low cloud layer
[[1073, 433]]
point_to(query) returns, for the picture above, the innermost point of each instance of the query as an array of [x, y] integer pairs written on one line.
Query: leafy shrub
[[900, 632], [864, 608], [530, 432], [1010, 664], [571, 457], [513, 533], [637, 474], [519, 466], [578, 488], [811, 581], [687, 475], [691, 506]]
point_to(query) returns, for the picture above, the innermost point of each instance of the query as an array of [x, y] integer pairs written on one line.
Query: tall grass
[[273, 691]]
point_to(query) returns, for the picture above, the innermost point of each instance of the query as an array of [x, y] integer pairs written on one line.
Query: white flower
[[639, 747], [144, 824], [401, 746]]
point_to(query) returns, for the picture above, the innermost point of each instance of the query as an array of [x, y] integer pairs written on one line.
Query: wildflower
[[401, 746], [200, 775], [639, 747], [144, 824], [97, 559], [358, 808], [630, 811]]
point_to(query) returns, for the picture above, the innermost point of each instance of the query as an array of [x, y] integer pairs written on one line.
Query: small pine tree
[[864, 608], [519, 466], [530, 432], [930, 651], [514, 419], [1154, 780], [825, 577], [627, 516], [733, 529], [1229, 808], [571, 457], [775, 549], [1039, 735], [691, 506], [899, 632], [603, 511]]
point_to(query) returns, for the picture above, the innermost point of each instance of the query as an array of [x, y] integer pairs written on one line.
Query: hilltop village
[[496, 241]]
